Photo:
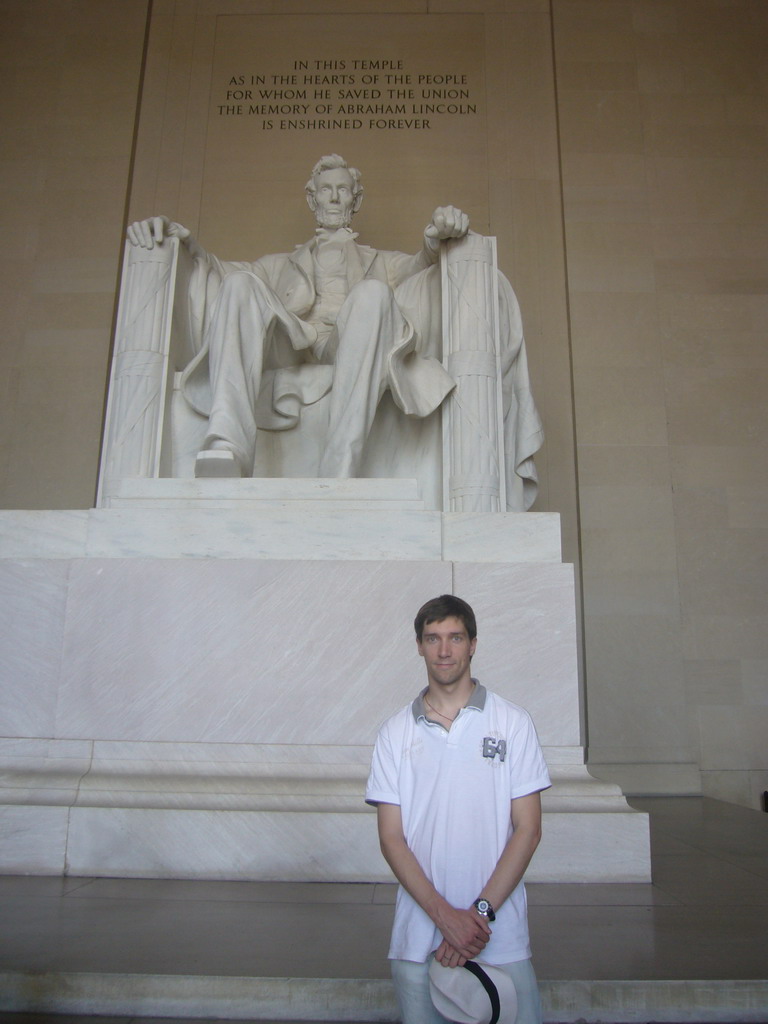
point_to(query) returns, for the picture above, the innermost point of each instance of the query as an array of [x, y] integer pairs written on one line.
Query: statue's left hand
[[447, 222], [151, 232]]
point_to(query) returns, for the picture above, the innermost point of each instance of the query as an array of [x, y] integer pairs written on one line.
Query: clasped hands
[[465, 936]]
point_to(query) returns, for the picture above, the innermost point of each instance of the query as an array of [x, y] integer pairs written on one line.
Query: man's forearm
[[510, 869], [517, 854], [411, 876]]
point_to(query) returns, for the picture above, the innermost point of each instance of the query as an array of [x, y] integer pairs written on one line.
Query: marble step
[[363, 1000]]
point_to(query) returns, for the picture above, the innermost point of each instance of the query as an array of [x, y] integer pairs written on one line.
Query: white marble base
[[298, 846], [250, 493], [34, 838], [258, 519], [243, 651], [262, 812], [175, 715], [651, 779]]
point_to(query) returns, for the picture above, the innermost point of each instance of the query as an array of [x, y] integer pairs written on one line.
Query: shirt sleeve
[[382, 787], [527, 767]]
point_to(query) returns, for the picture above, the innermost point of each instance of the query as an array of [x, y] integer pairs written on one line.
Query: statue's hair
[[445, 607], [330, 163]]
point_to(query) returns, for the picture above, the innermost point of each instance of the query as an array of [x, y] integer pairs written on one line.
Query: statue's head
[[334, 192]]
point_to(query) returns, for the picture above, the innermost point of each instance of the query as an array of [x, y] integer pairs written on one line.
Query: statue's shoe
[[217, 463]]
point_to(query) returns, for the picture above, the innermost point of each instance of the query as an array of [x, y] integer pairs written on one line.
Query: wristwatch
[[484, 908]]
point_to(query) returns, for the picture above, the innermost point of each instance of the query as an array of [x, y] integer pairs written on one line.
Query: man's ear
[[311, 201], [358, 201]]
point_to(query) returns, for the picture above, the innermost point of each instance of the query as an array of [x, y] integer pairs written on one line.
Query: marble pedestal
[[194, 676]]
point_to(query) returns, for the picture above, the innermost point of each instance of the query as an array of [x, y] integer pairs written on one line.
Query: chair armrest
[[139, 377], [473, 427]]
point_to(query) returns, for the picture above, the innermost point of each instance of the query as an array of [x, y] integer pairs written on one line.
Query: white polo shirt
[[454, 790]]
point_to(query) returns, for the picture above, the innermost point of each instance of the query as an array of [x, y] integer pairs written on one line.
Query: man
[[331, 302], [456, 778]]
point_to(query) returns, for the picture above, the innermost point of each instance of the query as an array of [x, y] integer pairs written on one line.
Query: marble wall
[[68, 119], [664, 137], [629, 151]]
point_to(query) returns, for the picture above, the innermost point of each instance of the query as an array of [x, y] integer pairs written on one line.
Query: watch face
[[485, 909]]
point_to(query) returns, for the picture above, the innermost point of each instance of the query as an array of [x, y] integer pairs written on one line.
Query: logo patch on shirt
[[492, 747]]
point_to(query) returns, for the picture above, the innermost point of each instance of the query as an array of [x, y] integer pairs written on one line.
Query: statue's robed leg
[[247, 322]]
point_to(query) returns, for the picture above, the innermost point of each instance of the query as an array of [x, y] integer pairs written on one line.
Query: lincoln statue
[[334, 317]]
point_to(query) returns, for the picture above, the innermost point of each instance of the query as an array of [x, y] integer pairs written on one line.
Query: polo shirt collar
[[476, 701]]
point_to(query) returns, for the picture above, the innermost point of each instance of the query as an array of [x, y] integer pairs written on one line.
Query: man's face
[[334, 200], [446, 648]]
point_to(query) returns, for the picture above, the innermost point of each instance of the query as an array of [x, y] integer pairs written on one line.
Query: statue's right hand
[[150, 232]]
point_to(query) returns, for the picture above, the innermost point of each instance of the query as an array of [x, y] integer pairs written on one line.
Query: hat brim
[[476, 993]]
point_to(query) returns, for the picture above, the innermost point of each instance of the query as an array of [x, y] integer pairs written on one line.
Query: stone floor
[[690, 947]]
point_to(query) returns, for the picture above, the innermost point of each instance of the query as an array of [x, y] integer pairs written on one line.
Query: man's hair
[[330, 163], [445, 607]]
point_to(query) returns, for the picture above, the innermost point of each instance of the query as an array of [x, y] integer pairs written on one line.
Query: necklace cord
[[446, 716], [440, 712]]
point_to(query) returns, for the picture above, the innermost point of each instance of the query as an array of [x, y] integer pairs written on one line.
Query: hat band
[[490, 988]]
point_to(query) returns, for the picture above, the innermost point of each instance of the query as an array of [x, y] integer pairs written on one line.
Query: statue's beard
[[333, 218]]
